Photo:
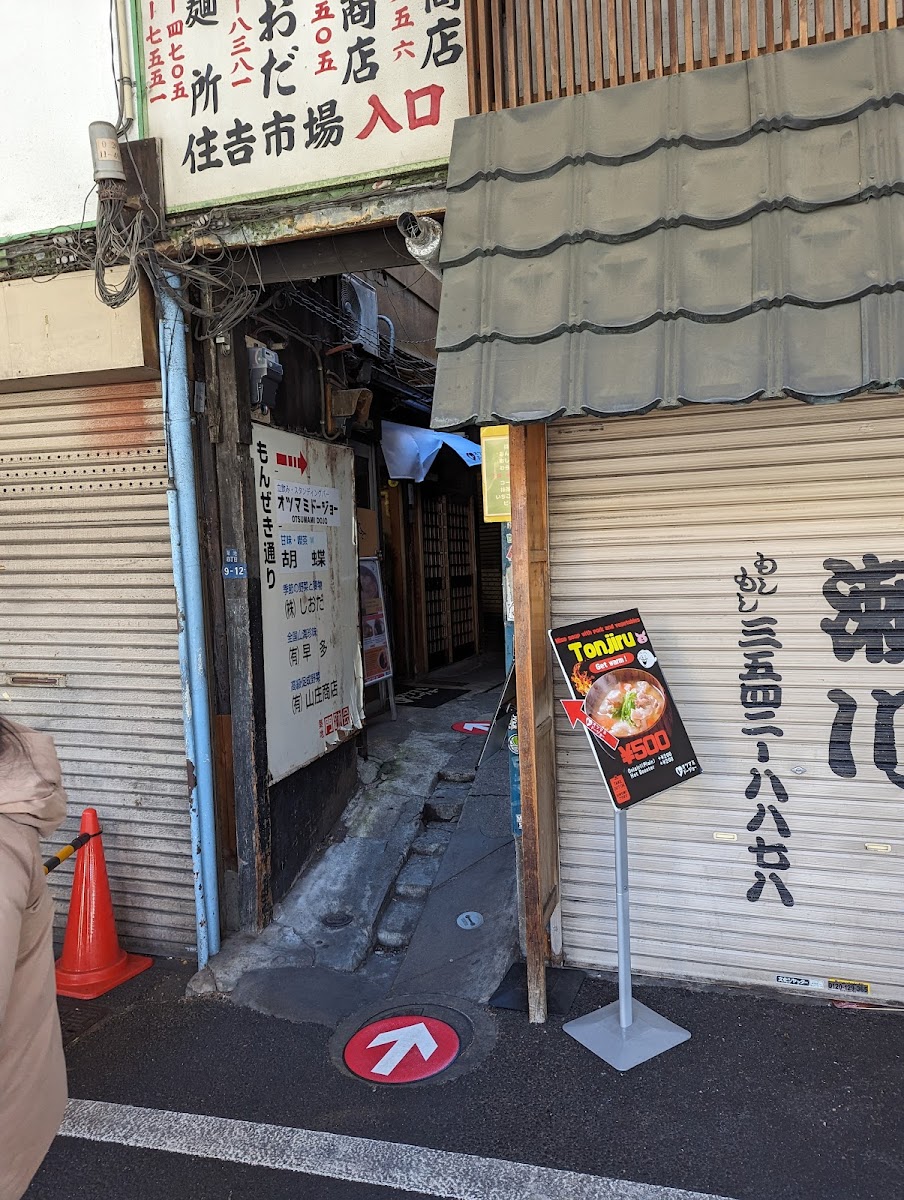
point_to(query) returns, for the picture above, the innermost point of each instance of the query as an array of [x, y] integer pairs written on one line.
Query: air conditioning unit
[[359, 307]]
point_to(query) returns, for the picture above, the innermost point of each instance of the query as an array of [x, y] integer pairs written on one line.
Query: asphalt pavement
[[792, 1101]]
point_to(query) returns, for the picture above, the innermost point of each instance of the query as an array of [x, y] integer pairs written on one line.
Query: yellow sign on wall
[[496, 473]]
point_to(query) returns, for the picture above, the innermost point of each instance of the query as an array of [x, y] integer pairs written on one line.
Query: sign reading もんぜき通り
[[309, 596], [621, 698], [251, 97]]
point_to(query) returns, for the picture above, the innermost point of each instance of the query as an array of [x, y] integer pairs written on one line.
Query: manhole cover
[[79, 1019], [469, 920], [336, 920]]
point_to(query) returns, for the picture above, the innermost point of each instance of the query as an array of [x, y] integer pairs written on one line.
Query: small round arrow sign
[[401, 1049]]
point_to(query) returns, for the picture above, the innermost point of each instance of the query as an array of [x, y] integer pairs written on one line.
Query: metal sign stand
[[626, 1032]]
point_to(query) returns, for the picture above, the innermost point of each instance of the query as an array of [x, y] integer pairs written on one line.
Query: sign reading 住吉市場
[[252, 97], [621, 698]]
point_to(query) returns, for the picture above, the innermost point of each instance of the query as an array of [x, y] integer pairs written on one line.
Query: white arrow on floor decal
[[402, 1040]]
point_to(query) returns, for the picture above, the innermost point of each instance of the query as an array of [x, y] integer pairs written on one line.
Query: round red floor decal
[[401, 1049], [478, 727]]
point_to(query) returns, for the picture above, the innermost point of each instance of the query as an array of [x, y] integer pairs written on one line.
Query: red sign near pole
[[401, 1049], [479, 727]]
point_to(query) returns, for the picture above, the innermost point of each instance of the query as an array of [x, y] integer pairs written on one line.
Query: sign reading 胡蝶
[[495, 471], [309, 596], [621, 698], [251, 97]]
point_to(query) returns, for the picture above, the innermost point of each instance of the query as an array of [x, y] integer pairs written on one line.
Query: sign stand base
[[625, 1033], [648, 1034]]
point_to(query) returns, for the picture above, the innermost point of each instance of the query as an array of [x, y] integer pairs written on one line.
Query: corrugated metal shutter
[[490, 550], [87, 597], [662, 512]]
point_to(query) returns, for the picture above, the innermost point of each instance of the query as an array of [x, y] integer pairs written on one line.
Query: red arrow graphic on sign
[[472, 726], [574, 710]]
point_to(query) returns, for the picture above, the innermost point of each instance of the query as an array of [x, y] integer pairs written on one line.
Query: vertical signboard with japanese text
[[253, 97], [309, 596], [495, 473]]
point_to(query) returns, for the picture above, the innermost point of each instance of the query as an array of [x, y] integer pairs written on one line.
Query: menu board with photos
[[620, 696], [374, 625]]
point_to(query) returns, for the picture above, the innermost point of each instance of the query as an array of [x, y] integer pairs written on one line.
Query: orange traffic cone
[[92, 961]]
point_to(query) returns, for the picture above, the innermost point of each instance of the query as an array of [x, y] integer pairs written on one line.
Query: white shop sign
[[254, 97], [309, 596]]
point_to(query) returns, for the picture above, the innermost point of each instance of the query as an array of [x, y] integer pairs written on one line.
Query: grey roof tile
[[794, 89], [816, 258], [812, 354], [679, 185], [716, 236]]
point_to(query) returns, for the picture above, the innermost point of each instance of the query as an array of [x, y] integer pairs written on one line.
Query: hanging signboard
[[621, 698], [309, 596], [495, 473], [255, 97], [374, 631]]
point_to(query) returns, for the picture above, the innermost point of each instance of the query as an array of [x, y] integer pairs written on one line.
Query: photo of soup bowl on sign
[[626, 702]]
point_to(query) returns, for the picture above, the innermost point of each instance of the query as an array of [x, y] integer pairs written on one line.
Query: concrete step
[[446, 802], [434, 839], [398, 923], [416, 877]]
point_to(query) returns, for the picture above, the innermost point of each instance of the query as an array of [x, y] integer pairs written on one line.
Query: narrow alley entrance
[[385, 841]]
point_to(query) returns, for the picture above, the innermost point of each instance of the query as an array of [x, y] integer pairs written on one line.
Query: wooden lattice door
[[450, 578]]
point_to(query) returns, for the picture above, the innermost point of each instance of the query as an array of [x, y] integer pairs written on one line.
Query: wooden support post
[[230, 428], [530, 577]]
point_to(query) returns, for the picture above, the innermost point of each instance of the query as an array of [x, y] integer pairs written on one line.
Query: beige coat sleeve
[[16, 865]]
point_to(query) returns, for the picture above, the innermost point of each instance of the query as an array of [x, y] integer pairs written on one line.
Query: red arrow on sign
[[574, 710], [292, 460], [472, 726]]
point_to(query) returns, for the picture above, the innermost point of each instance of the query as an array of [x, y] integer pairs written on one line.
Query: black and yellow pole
[[51, 864]]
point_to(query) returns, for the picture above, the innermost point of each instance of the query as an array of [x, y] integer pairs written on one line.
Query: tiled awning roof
[[717, 236]]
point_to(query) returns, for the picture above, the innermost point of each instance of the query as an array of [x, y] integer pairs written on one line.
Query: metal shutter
[[87, 599], [661, 512]]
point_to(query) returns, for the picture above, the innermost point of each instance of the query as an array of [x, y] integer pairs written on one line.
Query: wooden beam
[[530, 578], [231, 429]]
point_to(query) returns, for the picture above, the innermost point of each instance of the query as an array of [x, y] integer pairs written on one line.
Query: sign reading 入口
[[309, 596], [621, 698], [252, 97]]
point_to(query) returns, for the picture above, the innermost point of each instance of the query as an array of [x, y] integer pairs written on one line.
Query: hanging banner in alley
[[620, 696], [309, 596], [374, 630], [252, 97]]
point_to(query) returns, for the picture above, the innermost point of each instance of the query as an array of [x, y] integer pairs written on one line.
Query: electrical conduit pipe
[[183, 518]]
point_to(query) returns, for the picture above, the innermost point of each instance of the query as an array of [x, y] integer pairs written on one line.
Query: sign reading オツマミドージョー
[[621, 698], [252, 97]]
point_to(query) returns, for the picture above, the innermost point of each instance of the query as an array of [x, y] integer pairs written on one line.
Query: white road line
[[356, 1160]]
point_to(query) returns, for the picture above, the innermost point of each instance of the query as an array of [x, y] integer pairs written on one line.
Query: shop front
[[685, 299], [90, 619]]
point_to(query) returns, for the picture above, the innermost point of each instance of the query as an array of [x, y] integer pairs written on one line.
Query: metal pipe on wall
[[126, 82], [183, 510]]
